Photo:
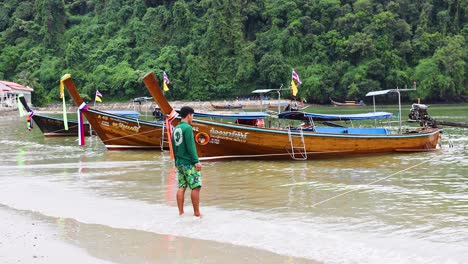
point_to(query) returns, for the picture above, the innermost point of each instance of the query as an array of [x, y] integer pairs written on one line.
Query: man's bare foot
[[198, 215], [181, 213]]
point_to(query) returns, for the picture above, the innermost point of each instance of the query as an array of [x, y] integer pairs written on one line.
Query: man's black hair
[[185, 111]]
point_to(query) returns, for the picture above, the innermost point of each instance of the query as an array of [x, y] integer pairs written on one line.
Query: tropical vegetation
[[213, 49]]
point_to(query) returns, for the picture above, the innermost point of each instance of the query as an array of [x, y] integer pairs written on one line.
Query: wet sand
[[29, 237]]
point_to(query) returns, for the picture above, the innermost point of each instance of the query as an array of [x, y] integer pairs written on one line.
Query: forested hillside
[[214, 49]]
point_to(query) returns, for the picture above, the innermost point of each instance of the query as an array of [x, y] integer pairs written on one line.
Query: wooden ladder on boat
[[163, 136], [297, 152]]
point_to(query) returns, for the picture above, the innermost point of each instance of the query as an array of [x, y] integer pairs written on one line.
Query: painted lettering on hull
[[229, 135], [126, 127]]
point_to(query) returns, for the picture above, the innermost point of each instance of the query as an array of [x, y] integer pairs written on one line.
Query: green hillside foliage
[[220, 49]]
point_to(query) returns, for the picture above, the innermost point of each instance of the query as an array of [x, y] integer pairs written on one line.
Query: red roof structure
[[8, 86]]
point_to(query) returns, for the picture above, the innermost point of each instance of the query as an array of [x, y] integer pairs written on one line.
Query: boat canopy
[[227, 114], [296, 115], [234, 115], [264, 90], [397, 91], [125, 113], [142, 99], [382, 92]]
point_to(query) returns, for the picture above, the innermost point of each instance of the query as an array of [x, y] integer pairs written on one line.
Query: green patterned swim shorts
[[188, 175]]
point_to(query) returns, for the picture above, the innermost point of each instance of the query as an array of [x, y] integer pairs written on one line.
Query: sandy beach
[[30, 237]]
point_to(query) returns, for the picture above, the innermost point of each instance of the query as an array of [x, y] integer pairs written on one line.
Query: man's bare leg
[[180, 200], [195, 195]]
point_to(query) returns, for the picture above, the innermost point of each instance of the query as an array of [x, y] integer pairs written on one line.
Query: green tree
[[222, 48], [51, 17], [451, 60], [272, 70]]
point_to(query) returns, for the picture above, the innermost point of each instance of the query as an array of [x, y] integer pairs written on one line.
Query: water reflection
[[171, 186], [21, 158]]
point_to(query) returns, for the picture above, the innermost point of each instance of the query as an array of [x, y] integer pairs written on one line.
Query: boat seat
[[351, 130]]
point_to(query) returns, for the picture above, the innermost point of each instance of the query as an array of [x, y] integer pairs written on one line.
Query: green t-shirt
[[183, 144]]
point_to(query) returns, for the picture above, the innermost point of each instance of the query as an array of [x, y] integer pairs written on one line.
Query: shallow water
[[120, 206]]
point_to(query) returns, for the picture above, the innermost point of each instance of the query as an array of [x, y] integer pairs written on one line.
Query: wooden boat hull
[[219, 140], [222, 140], [346, 104], [55, 127], [226, 106], [123, 133], [119, 132], [281, 106]]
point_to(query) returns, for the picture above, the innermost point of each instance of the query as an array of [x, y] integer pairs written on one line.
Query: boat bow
[[155, 91]]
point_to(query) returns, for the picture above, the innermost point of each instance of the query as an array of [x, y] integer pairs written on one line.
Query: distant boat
[[226, 106], [281, 105], [54, 126], [348, 103], [287, 107]]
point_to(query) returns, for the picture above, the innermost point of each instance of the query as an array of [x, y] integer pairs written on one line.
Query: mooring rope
[[350, 191], [42, 134], [130, 135], [150, 131]]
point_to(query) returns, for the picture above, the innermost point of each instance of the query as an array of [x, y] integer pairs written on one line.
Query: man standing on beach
[[186, 161]]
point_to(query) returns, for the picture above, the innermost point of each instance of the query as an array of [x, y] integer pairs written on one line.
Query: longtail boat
[[275, 106], [220, 140], [348, 103], [53, 126], [226, 106], [119, 132]]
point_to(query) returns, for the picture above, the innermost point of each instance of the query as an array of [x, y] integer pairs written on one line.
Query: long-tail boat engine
[[419, 113]]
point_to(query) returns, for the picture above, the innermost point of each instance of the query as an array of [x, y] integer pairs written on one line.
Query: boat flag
[[81, 133], [294, 88], [295, 77], [165, 82], [62, 95], [98, 97]]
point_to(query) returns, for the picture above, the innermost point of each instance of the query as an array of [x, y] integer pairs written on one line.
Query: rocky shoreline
[[148, 106]]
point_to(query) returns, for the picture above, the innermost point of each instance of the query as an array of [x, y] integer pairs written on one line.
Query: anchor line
[[150, 131], [58, 130], [350, 191]]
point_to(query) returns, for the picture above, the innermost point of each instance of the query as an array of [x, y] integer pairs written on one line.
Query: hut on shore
[[9, 92]]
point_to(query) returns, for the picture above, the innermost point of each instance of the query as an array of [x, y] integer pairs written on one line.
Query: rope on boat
[[263, 155], [150, 131], [58, 130], [350, 191]]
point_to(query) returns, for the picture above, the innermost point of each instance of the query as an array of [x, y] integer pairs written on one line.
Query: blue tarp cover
[[126, 113], [235, 115], [326, 117]]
